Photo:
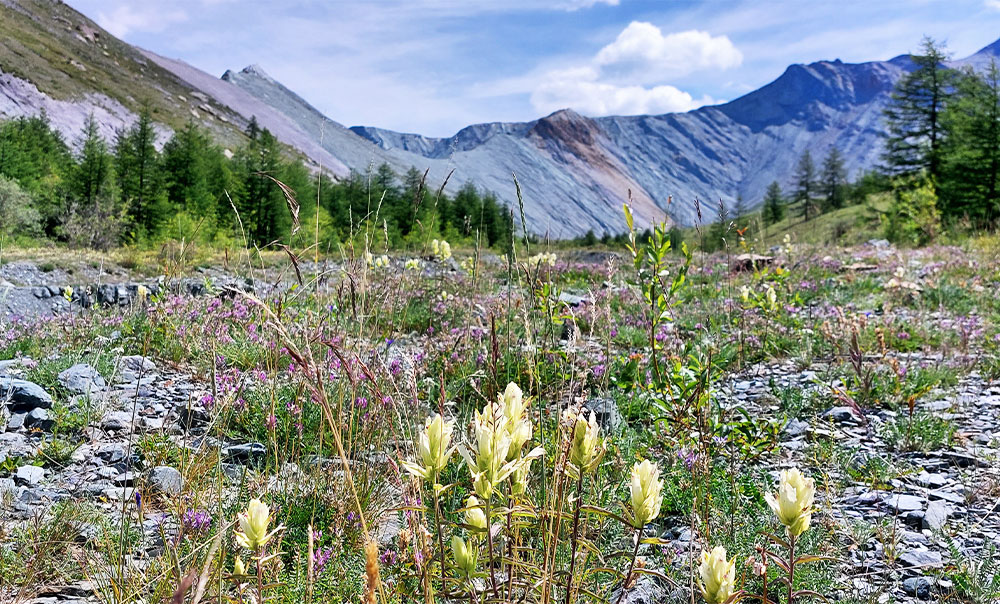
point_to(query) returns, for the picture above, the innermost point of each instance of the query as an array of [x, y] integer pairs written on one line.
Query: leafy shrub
[[17, 212]]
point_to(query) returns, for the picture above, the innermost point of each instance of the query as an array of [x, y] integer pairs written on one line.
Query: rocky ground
[[902, 518]]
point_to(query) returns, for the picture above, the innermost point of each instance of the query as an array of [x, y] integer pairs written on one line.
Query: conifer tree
[[774, 204], [913, 116], [833, 181], [805, 185]]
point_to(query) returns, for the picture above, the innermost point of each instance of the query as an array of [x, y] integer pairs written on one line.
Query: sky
[[435, 66]]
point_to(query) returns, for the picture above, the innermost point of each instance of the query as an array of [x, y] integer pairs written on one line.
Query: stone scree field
[[141, 417]]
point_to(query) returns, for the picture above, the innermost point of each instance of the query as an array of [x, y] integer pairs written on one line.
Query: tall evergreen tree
[[91, 177], [833, 181], [913, 116], [805, 185], [138, 173], [186, 171], [971, 183], [774, 204]]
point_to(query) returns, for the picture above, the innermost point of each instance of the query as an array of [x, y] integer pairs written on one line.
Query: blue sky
[[434, 66]]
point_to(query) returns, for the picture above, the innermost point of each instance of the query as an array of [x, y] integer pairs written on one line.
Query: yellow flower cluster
[[433, 448], [441, 249], [794, 501], [717, 576], [646, 488], [544, 259]]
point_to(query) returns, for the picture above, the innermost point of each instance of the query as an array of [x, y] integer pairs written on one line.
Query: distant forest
[[125, 191], [941, 166]]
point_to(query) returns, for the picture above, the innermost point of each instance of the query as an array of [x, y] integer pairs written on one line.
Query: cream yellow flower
[[253, 523], [238, 568], [772, 298], [441, 249], [794, 501], [474, 515], [413, 264], [646, 490], [587, 448], [717, 578], [433, 448], [465, 556]]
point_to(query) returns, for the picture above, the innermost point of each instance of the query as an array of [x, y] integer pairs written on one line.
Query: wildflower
[[141, 292], [433, 449], [772, 298], [645, 489], [717, 576], [413, 264], [465, 557], [745, 294], [587, 448], [68, 293], [794, 500], [382, 261], [253, 523], [441, 249], [239, 569], [196, 521], [469, 264], [474, 515]]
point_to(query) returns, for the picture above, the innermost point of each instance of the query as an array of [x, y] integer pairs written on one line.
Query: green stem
[[631, 566], [576, 532], [791, 566]]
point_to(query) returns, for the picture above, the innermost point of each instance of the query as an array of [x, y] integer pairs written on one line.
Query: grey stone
[[919, 587], [571, 299], [246, 453], [904, 503], [82, 379], [29, 475], [119, 493], [22, 395], [606, 412], [112, 453], [937, 515], [38, 418], [166, 480], [843, 415], [921, 558], [647, 589], [117, 420], [16, 421], [796, 427], [136, 368]]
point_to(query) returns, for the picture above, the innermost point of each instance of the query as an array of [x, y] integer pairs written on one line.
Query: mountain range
[[574, 171]]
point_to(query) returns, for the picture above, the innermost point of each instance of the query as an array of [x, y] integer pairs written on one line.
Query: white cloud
[[630, 75], [129, 18], [643, 49], [992, 4], [580, 89]]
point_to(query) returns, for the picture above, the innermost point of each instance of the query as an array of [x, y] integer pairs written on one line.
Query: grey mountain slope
[[717, 153]]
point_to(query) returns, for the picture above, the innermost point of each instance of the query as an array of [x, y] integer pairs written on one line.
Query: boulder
[[22, 395], [82, 379]]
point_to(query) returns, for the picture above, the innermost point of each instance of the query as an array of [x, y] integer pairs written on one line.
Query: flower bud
[[645, 489], [717, 576], [474, 515], [465, 556], [238, 568], [794, 500], [253, 523], [433, 449], [587, 448]]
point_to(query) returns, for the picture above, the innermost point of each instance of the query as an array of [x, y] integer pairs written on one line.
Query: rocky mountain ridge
[[574, 171]]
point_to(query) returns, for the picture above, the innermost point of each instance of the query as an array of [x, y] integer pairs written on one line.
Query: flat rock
[[82, 379], [606, 412], [22, 395], [936, 515], [166, 480], [918, 587], [29, 475], [921, 558]]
